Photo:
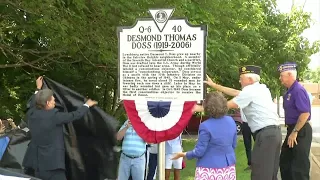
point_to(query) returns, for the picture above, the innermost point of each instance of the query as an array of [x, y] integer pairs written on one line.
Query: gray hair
[[254, 77], [215, 104], [42, 97], [293, 73]]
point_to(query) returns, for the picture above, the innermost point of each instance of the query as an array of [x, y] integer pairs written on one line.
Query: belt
[[133, 157], [267, 127], [291, 125]]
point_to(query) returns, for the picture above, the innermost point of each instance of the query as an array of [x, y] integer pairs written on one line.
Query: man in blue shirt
[[294, 158], [132, 160]]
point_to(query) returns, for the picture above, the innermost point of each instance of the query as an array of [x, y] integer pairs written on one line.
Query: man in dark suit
[[46, 151]]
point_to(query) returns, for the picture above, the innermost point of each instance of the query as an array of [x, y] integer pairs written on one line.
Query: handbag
[[183, 163]]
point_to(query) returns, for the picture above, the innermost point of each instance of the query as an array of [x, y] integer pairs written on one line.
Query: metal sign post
[[161, 160]]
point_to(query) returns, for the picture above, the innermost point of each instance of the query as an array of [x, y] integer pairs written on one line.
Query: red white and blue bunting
[[158, 121]]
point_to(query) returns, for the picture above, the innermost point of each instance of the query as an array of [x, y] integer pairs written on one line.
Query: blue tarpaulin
[[4, 141]]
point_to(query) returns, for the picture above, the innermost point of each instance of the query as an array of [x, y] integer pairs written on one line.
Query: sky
[[313, 33]]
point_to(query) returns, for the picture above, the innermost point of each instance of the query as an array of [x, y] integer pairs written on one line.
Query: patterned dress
[[228, 173]]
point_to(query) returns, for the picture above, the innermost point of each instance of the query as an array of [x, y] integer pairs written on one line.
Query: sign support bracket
[[161, 160]]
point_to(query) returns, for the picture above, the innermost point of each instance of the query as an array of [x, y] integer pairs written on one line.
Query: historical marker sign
[[162, 59]]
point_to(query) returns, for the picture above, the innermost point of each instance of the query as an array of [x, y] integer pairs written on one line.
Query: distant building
[[314, 90]]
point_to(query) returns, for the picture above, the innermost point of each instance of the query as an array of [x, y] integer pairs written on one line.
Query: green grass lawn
[[188, 172]]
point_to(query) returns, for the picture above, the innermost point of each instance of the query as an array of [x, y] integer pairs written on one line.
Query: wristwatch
[[295, 130]]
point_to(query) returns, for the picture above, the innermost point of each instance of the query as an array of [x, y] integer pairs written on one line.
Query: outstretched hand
[[91, 102], [39, 82], [178, 155], [12, 124], [197, 108], [2, 127], [209, 81]]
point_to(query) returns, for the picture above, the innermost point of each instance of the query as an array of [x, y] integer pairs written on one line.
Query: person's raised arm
[[39, 83], [64, 117], [197, 108], [123, 130], [2, 127], [241, 101], [225, 90], [202, 144]]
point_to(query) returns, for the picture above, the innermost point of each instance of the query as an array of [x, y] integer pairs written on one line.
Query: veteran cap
[[287, 66], [249, 69]]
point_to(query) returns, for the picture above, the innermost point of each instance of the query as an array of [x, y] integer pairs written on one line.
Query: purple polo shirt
[[296, 101]]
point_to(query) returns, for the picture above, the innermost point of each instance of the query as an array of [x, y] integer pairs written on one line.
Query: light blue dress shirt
[[255, 101]]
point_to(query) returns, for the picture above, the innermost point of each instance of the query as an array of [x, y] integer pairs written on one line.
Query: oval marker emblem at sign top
[[161, 16]]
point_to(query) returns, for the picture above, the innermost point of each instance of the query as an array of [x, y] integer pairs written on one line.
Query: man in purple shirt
[[294, 158]]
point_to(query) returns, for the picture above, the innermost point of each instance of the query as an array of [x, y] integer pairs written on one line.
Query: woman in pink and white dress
[[217, 140]]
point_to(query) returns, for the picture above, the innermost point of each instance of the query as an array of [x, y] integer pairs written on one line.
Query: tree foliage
[[312, 75], [74, 42]]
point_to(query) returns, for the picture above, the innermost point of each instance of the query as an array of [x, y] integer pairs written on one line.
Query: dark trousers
[[57, 174], [294, 162], [247, 140], [266, 153], [153, 161]]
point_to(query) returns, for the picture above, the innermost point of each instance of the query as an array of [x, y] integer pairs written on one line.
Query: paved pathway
[[315, 168]]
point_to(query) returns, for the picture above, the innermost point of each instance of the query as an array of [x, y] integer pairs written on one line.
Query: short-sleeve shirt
[[256, 103], [153, 148], [133, 144], [174, 145], [296, 101]]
